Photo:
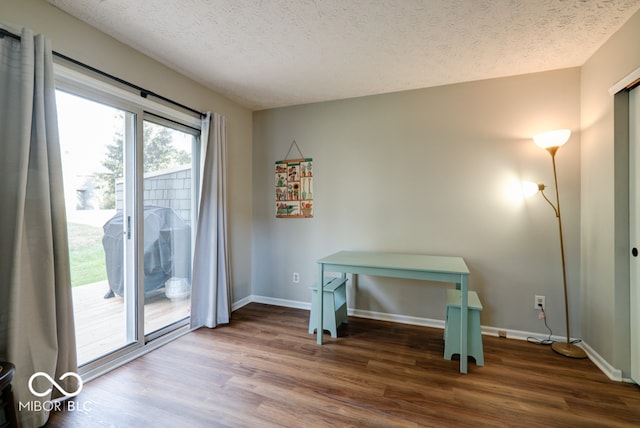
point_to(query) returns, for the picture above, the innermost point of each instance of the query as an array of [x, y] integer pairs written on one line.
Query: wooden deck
[[100, 322]]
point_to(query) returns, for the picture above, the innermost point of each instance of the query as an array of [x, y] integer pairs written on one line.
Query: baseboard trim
[[281, 302], [610, 371], [401, 319], [240, 303], [606, 368]]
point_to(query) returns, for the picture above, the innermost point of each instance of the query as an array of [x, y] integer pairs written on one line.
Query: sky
[[85, 129]]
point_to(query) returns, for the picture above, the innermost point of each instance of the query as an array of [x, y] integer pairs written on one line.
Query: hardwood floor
[[265, 370]]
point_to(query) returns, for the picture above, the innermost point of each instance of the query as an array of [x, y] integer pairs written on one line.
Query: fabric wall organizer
[[294, 186]]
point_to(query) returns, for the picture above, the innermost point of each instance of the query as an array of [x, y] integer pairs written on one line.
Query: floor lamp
[[551, 142]]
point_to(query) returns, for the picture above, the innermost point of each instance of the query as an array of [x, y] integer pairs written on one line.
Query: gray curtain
[[211, 281], [36, 316]]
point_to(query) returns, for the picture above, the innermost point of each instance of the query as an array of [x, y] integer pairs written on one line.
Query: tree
[[159, 154], [113, 162]]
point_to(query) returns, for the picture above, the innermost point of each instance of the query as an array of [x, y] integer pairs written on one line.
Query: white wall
[[427, 171], [604, 208], [86, 44]]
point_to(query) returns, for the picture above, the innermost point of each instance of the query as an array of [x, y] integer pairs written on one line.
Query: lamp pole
[[567, 348]]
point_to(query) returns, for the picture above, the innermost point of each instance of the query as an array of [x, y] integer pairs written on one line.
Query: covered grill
[[167, 249]]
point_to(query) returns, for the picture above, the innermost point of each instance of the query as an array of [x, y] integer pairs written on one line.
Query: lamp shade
[[529, 188], [552, 138]]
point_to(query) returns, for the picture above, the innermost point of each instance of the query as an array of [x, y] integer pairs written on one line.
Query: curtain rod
[[144, 93]]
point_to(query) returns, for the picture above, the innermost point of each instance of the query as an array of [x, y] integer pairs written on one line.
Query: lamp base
[[568, 350]]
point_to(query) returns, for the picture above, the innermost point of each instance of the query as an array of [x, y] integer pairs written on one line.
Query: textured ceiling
[[274, 53]]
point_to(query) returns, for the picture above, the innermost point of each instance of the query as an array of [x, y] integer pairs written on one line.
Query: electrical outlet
[[540, 300], [296, 277]]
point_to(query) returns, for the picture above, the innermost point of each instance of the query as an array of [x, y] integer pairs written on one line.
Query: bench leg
[[452, 335], [332, 318]]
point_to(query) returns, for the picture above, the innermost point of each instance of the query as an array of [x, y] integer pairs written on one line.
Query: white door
[[634, 215]]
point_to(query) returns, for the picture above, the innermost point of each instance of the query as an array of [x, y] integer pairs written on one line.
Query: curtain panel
[[211, 279], [36, 315]]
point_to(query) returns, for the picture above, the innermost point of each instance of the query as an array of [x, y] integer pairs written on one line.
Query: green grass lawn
[[86, 254]]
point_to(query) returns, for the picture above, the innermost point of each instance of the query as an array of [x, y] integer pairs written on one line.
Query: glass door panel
[[168, 188], [92, 139]]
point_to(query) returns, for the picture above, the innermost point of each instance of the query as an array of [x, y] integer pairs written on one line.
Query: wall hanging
[[294, 186]]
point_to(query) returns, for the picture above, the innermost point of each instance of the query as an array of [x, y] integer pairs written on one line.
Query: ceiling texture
[[274, 53]]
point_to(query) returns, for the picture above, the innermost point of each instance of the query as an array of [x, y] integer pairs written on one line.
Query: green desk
[[411, 266]]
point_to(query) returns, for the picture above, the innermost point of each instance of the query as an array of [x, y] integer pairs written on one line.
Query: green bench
[[452, 326], [334, 305]]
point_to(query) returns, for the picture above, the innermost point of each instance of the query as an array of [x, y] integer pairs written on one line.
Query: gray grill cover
[[167, 249]]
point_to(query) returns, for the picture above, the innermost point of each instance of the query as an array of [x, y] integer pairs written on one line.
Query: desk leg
[[320, 300], [464, 306]]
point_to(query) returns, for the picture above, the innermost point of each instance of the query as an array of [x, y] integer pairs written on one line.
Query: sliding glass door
[[168, 221], [130, 180], [93, 137]]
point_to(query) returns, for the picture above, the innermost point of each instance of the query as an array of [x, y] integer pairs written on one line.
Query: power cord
[[546, 341]]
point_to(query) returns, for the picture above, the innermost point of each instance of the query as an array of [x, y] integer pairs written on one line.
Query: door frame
[[83, 85], [627, 289], [634, 232]]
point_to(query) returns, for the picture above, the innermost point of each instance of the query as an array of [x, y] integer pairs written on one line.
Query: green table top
[[397, 261]]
